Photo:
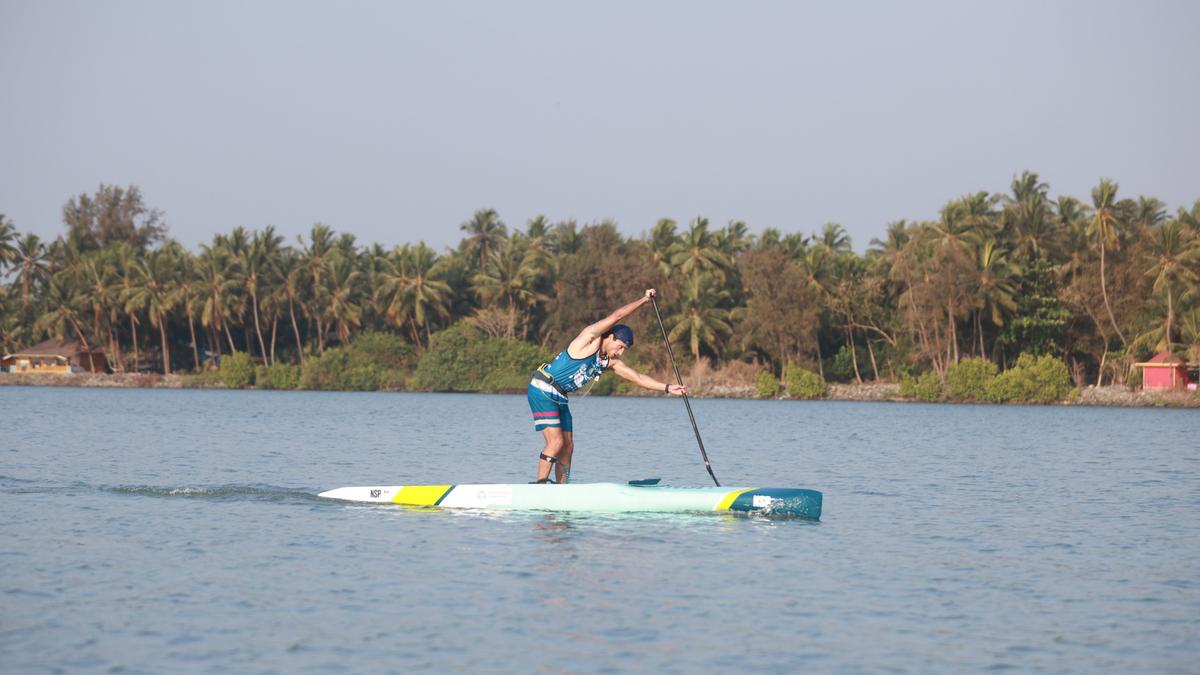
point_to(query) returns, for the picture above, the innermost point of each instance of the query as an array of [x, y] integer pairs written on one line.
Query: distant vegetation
[[1004, 297]]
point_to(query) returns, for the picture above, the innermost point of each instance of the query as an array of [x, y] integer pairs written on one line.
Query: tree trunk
[[874, 366], [1104, 292], [162, 332], [939, 347], [820, 360], [853, 353], [137, 356], [257, 330], [195, 347], [296, 330], [115, 347], [1170, 314], [782, 363], [213, 338], [979, 327], [229, 336], [86, 345], [274, 328]]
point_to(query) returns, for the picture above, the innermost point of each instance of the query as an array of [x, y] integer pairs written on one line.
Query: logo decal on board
[[762, 501]]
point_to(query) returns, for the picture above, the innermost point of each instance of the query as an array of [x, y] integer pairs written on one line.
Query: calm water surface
[[178, 531]]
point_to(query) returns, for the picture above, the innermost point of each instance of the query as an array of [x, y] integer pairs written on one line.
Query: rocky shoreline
[[1109, 396]]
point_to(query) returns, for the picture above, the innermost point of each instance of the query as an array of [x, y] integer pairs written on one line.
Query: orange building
[[55, 356]]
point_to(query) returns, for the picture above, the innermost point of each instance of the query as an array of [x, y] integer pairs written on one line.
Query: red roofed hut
[[1164, 371]]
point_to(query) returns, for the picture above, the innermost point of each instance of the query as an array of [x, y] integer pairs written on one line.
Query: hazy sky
[[395, 121]]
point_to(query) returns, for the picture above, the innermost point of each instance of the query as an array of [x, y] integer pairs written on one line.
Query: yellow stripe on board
[[421, 495], [727, 500]]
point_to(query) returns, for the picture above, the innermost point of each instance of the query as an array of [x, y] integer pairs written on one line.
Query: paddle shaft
[[686, 403]]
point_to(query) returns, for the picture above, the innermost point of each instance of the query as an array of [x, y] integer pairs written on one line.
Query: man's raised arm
[[602, 326]]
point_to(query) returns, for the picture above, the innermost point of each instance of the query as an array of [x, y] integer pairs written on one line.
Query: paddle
[[687, 403]]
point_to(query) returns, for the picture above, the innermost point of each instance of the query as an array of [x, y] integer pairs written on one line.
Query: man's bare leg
[[554, 445], [562, 470]]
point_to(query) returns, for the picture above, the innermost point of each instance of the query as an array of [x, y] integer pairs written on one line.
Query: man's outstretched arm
[[645, 381]]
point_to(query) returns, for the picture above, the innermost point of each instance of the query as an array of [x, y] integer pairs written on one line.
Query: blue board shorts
[[549, 409]]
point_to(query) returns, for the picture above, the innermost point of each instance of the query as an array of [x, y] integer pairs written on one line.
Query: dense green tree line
[[1099, 283]]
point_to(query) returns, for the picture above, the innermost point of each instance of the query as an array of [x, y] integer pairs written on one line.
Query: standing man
[[597, 348]]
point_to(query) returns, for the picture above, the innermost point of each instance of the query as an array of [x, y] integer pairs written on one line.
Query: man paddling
[[597, 348]]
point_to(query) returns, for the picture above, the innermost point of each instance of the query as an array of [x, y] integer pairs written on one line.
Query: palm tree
[[317, 261], [663, 244], [770, 238], [979, 213], [565, 239], [257, 261], [537, 229], [236, 243], [8, 233], [1104, 228], [958, 230], [218, 278], [1175, 252], [431, 294], [410, 294], [1028, 220], [14, 329], [65, 302], [733, 239], [834, 237], [1148, 213], [698, 252], [701, 320], [32, 265], [510, 277], [291, 274], [191, 294], [157, 292], [344, 309], [345, 245], [101, 286], [125, 258], [819, 272], [1071, 219], [1026, 186], [886, 249], [795, 245], [995, 292], [486, 232], [965, 223], [1191, 219]]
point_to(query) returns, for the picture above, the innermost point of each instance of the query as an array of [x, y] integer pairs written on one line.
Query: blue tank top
[[571, 374]]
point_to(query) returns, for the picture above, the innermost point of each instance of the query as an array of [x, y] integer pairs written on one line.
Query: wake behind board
[[637, 496]]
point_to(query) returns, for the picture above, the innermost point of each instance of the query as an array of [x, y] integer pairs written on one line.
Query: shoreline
[[1113, 396]]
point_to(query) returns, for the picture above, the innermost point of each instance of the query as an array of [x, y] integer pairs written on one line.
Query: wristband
[[667, 388]]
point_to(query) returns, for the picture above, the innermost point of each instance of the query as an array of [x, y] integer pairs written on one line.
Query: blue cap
[[623, 333]]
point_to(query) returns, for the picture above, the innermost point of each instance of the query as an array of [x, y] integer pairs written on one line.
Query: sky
[[395, 121]]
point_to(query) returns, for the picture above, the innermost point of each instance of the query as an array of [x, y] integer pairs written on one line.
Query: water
[[178, 531]]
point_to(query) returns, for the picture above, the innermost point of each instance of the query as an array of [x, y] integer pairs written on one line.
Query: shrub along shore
[[462, 359]]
